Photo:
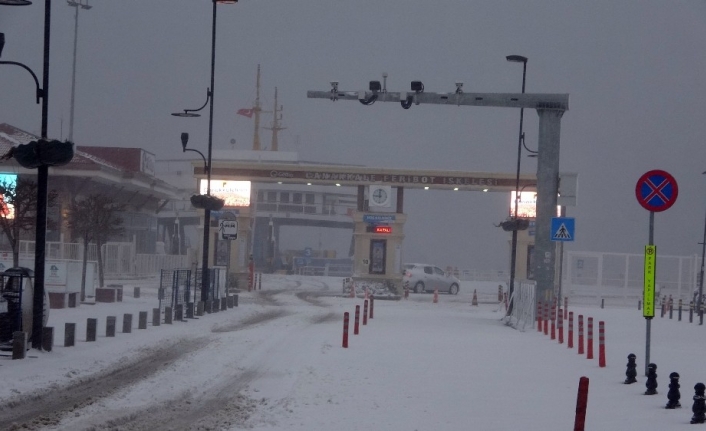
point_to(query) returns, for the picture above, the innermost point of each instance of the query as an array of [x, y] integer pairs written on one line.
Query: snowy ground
[[276, 363]]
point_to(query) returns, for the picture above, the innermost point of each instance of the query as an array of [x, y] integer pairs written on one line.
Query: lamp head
[[185, 114], [15, 2], [516, 58], [184, 140], [417, 86], [374, 86]]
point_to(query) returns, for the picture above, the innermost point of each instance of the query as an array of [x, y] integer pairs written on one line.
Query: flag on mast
[[245, 112]]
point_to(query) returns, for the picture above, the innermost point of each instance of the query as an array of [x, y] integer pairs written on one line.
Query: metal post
[[701, 281], [205, 276], [42, 180], [513, 256], [648, 320]]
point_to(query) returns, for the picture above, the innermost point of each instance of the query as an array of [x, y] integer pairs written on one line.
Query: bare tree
[[95, 219], [18, 211]]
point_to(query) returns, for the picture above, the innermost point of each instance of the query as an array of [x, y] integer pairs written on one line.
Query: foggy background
[[634, 70]]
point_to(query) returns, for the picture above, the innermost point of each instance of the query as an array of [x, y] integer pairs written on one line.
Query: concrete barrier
[[224, 304], [189, 310], [156, 317], [69, 334], [142, 323], [19, 345], [91, 329], [47, 338], [200, 308], [168, 316], [229, 300], [110, 326], [127, 323]]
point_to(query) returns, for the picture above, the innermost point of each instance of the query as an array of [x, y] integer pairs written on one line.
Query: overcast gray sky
[[635, 71]]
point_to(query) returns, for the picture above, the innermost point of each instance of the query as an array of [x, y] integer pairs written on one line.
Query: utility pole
[[276, 124]]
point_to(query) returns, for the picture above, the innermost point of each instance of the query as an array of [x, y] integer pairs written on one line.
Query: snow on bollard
[[570, 341], [589, 339], [601, 344], [345, 330], [581, 404], [580, 334]]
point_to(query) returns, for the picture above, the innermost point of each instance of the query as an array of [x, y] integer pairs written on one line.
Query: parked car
[[420, 278]]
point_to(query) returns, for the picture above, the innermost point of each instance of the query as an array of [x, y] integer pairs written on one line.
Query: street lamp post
[[209, 203], [42, 180], [513, 252], [77, 5], [699, 302]]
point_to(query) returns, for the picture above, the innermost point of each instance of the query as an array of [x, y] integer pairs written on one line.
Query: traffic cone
[[475, 298], [436, 296]]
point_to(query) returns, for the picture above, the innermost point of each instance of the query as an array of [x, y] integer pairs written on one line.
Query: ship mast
[[276, 124], [256, 111]]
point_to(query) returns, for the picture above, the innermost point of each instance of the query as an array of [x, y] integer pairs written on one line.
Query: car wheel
[[453, 290], [419, 287]]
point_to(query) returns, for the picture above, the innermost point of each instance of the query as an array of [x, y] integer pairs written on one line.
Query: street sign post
[[228, 229], [656, 191]]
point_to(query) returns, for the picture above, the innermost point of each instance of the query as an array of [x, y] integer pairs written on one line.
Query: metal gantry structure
[[549, 107]]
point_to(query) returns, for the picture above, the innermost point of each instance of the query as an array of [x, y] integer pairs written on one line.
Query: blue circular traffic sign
[[656, 190]]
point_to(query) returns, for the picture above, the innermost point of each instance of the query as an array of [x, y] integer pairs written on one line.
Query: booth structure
[[378, 247]]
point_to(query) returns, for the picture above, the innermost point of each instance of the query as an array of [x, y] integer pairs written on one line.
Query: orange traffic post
[[601, 344], [589, 339], [580, 334], [570, 340], [345, 330]]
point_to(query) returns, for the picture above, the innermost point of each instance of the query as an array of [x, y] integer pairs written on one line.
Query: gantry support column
[[547, 190]]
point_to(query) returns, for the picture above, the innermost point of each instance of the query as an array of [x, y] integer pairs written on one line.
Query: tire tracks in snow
[[47, 407]]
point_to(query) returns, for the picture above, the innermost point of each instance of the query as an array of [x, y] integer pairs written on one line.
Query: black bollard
[[631, 372], [691, 312], [651, 383], [699, 407], [680, 304], [673, 395]]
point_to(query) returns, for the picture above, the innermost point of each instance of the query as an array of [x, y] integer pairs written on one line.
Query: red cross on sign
[[656, 190]]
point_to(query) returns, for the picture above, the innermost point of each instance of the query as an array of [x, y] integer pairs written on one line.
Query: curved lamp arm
[[205, 165], [186, 112], [40, 92]]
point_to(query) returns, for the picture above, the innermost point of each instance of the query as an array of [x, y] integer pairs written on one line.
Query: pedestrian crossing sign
[[562, 229]]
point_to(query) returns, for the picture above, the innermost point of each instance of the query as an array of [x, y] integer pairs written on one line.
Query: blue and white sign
[[563, 229], [378, 218]]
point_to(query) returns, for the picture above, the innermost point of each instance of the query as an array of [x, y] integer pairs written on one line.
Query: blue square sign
[[562, 229]]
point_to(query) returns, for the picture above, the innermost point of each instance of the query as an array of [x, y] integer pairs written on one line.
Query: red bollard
[[553, 324], [589, 339], [566, 307], [560, 327], [345, 330], [570, 341], [365, 312], [546, 318], [357, 320], [372, 304], [581, 403], [539, 317], [601, 344], [580, 334]]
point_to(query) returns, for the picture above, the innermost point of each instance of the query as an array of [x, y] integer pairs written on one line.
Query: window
[[260, 196], [284, 197], [271, 196], [297, 198], [310, 199], [438, 271], [427, 270]]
